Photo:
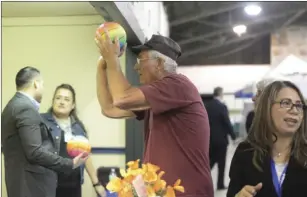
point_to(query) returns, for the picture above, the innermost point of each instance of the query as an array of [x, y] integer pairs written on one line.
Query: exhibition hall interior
[[223, 50]]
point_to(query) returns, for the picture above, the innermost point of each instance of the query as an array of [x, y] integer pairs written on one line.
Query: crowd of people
[[184, 136]]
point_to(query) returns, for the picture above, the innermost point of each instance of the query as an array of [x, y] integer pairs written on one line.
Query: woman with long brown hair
[[65, 125], [272, 161]]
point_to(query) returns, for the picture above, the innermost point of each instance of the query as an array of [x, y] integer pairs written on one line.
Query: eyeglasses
[[287, 104], [138, 60]]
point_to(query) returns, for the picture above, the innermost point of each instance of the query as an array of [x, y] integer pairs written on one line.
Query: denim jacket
[[56, 133]]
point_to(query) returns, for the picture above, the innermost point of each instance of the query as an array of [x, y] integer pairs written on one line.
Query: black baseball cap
[[162, 44]]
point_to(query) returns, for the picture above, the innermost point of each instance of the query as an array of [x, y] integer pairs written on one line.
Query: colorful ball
[[78, 145], [115, 30]]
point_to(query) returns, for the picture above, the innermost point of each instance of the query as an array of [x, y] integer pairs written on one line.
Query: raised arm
[[103, 94], [125, 97], [155, 96]]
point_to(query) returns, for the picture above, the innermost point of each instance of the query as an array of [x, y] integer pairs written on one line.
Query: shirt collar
[[219, 99], [35, 103], [50, 117]]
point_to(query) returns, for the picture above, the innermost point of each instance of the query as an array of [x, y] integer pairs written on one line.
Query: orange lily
[[150, 177], [150, 174], [170, 191], [153, 184], [178, 187], [150, 191], [160, 184], [115, 185], [133, 165], [128, 177], [126, 192], [150, 167]]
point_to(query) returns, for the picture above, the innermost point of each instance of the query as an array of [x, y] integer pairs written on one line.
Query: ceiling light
[[252, 10], [239, 29]]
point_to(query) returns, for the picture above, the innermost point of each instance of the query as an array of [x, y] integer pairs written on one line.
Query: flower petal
[[161, 173], [152, 168], [179, 188], [123, 173], [177, 182], [115, 185], [170, 192], [133, 164]]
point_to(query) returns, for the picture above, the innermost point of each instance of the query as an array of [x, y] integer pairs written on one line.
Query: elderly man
[[176, 122], [260, 87]]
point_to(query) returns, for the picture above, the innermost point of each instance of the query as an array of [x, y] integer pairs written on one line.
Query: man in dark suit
[[220, 128], [260, 87], [30, 158]]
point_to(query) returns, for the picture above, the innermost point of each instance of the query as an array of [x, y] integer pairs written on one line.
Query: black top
[[220, 124], [71, 178], [249, 120], [243, 172]]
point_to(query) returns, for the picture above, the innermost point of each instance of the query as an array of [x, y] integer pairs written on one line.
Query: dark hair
[[262, 128], [25, 76], [217, 91], [73, 112]]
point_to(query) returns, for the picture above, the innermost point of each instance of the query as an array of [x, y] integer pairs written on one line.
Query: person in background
[[260, 87], [176, 121], [65, 124], [220, 129], [30, 158], [272, 161]]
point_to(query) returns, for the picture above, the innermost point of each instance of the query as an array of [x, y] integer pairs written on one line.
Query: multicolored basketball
[[78, 145], [115, 30]]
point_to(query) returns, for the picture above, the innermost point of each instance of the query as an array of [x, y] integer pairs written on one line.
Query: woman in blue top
[[65, 125]]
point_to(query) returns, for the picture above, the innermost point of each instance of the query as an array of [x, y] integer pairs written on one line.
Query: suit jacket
[[29, 155], [220, 125], [242, 172]]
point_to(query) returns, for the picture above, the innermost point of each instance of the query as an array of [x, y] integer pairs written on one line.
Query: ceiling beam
[[206, 13], [235, 50], [213, 24], [245, 37], [235, 40], [293, 18], [229, 29]]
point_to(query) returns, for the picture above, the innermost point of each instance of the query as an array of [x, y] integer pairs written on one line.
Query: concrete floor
[[230, 152]]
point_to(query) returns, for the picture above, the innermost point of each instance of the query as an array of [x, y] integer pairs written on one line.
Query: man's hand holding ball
[[80, 159], [111, 40]]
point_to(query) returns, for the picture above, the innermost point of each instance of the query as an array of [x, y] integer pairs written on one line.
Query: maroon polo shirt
[[177, 134]]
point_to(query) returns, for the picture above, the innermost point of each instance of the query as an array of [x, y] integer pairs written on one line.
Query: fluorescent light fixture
[[252, 10], [239, 29]]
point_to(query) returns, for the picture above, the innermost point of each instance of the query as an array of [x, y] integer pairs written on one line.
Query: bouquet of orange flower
[[143, 182]]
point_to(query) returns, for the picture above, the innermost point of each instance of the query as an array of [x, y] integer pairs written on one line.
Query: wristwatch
[[96, 184]]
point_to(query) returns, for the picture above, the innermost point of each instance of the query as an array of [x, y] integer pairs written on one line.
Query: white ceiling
[[45, 9]]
